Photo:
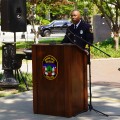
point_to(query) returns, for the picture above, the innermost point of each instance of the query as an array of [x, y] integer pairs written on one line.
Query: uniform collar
[[78, 24]]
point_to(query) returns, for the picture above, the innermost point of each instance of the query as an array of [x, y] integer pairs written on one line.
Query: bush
[[45, 22], [107, 47]]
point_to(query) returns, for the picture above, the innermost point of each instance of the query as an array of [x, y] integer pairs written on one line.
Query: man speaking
[[80, 32]]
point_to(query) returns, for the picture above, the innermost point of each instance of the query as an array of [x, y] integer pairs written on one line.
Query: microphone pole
[[88, 53], [76, 45], [89, 44]]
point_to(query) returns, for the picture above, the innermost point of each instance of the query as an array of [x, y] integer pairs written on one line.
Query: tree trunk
[[116, 40]]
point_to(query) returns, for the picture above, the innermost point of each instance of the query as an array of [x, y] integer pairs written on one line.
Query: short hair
[[74, 10]]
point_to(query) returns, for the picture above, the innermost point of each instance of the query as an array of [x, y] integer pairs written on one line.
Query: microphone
[[79, 37], [90, 44], [85, 50]]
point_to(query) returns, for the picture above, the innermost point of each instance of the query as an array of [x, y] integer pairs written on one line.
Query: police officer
[[79, 32]]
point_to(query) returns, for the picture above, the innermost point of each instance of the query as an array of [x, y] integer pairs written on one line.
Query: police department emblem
[[81, 31], [50, 67]]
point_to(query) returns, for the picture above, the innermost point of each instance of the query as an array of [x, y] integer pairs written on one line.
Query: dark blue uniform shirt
[[81, 36]]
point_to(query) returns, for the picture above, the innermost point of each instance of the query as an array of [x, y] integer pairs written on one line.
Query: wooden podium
[[59, 80]]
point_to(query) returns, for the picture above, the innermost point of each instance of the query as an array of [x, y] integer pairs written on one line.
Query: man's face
[[75, 17]]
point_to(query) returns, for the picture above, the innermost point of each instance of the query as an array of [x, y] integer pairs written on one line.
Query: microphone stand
[[90, 93], [89, 62]]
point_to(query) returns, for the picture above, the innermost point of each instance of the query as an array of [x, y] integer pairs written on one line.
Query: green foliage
[[61, 10], [28, 78], [21, 87], [106, 46], [27, 44], [57, 9], [50, 40], [45, 22]]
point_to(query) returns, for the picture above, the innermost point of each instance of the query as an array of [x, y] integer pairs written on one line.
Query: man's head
[[75, 16]]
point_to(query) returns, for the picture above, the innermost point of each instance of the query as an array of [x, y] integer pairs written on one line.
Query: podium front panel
[[59, 80]]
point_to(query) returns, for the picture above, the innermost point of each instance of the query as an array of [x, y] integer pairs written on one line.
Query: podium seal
[[50, 67]]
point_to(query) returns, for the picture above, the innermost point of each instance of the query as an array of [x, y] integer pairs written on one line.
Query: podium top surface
[[64, 45], [52, 44]]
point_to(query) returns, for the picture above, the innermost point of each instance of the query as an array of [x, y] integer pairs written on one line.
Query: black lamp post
[[86, 14]]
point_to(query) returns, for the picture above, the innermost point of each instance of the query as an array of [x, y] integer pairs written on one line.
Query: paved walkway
[[105, 96], [105, 70]]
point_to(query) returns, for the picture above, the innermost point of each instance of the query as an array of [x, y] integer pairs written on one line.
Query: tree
[[110, 9], [60, 7], [37, 9], [55, 7]]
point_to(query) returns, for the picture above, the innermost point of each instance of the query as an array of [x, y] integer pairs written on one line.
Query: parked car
[[56, 26]]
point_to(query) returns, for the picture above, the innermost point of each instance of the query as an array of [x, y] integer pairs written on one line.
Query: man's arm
[[66, 38]]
